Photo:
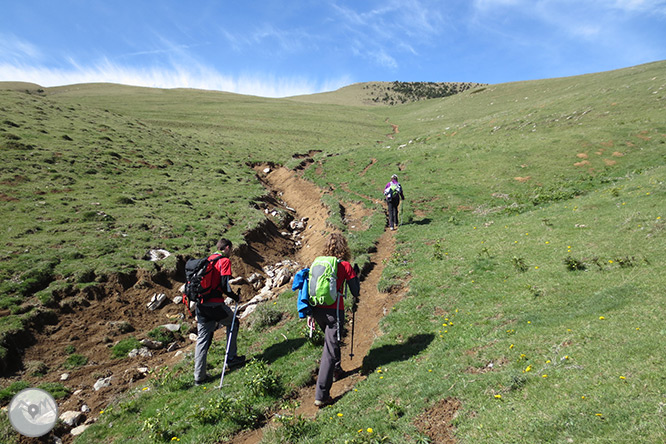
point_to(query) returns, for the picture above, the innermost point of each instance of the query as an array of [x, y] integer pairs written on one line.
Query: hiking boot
[[236, 361], [338, 375], [323, 402], [206, 379]]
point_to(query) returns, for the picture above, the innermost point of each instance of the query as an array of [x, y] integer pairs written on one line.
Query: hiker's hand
[[235, 297], [354, 305]]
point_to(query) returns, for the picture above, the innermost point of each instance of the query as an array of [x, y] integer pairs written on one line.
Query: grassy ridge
[[531, 240]]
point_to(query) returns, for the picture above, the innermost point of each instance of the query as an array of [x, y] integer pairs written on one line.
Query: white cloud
[[197, 77], [646, 6], [14, 48]]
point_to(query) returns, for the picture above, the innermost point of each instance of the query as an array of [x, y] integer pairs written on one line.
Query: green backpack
[[323, 287]]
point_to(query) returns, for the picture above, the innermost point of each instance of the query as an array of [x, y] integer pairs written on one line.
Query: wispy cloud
[[384, 33], [16, 49], [197, 77]]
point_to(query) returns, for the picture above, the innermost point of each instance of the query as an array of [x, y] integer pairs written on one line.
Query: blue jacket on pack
[[301, 283]]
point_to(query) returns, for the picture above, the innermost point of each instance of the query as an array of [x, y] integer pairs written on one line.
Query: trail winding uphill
[[305, 198]]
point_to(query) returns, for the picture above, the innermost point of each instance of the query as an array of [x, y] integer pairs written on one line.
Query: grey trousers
[[205, 330], [330, 356]]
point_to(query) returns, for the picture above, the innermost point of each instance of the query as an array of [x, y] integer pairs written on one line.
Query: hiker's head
[[394, 178], [222, 244], [337, 246]]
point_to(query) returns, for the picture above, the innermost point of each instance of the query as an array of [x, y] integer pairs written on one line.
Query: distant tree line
[[402, 92]]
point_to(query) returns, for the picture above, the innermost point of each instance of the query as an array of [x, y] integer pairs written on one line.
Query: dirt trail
[[88, 321], [305, 198]]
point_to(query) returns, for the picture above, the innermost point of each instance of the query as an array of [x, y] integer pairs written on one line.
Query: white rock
[[64, 377], [156, 301], [193, 336], [143, 352], [80, 429], [248, 311], [267, 170], [255, 300], [102, 382], [171, 327], [71, 418], [237, 280], [153, 345], [158, 254]]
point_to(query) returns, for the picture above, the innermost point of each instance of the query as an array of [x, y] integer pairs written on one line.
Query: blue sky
[[278, 48]]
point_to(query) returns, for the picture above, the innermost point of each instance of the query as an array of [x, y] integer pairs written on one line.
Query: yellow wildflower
[[369, 430]]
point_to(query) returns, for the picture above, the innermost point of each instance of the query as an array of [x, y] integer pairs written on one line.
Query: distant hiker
[[330, 316], [213, 312], [393, 194]]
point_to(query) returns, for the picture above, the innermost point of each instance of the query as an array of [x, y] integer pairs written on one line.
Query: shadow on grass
[[395, 352], [276, 351]]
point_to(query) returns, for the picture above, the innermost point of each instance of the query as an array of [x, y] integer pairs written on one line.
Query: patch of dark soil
[[436, 422]]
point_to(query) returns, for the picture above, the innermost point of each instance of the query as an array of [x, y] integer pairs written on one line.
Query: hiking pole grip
[[226, 352]]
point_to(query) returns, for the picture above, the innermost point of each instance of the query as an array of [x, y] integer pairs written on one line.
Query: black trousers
[[393, 212]]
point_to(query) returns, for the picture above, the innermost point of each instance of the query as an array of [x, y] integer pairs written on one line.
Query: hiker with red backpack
[[329, 315], [393, 193], [211, 311]]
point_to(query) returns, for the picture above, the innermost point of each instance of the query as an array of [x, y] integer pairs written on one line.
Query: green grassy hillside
[[531, 246]]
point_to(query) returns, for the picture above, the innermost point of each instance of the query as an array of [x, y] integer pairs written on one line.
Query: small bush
[[265, 316], [6, 394], [74, 361], [262, 380], [161, 334], [57, 390], [574, 264], [36, 368], [122, 348]]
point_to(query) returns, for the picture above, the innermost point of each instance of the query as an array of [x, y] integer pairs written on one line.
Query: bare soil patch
[[436, 422]]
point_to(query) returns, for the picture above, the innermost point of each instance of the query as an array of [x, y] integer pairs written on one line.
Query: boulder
[[102, 382], [156, 301], [80, 429], [71, 418]]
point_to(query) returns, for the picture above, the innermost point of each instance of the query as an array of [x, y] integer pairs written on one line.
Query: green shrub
[[74, 361], [162, 335], [7, 393], [122, 348], [264, 316]]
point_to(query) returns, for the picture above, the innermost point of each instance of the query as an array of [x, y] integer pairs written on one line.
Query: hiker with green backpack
[[328, 276], [393, 193], [211, 309]]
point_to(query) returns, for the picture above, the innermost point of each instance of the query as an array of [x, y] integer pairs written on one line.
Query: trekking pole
[[400, 219], [357, 271], [226, 352]]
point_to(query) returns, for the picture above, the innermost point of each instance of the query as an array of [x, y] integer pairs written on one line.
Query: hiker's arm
[[226, 288], [354, 286]]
